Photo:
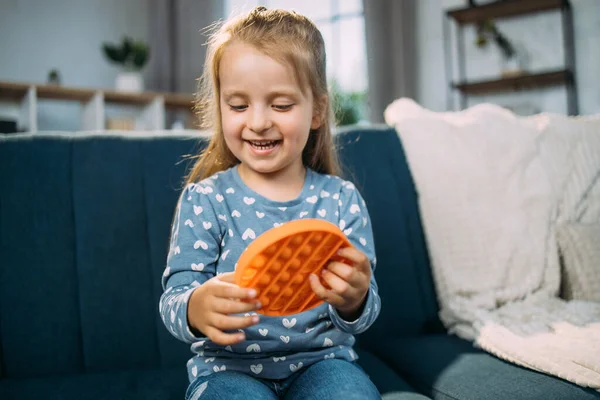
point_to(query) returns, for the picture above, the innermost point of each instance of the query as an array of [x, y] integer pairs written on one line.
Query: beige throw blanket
[[493, 189]]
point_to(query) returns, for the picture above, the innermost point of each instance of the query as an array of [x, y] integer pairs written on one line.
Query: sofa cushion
[[388, 382], [165, 162], [446, 367], [127, 385], [374, 160], [40, 329]]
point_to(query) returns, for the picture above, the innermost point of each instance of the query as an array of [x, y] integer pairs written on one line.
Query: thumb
[[228, 277]]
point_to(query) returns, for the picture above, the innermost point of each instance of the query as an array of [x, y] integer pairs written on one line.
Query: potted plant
[[131, 55]]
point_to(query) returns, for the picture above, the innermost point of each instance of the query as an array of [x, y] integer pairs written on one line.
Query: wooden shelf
[[519, 82], [503, 9], [151, 105], [16, 91]]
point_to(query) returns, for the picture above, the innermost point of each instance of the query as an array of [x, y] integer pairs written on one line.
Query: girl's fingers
[[324, 294], [356, 257], [342, 270], [227, 277], [224, 339], [226, 322], [337, 284], [232, 291], [228, 306]]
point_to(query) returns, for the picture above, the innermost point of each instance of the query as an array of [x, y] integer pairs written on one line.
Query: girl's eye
[[282, 107], [238, 108]]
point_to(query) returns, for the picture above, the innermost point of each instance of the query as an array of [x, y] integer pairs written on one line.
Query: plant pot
[[130, 82], [513, 66]]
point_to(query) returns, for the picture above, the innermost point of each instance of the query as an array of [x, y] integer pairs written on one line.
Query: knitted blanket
[[495, 192]]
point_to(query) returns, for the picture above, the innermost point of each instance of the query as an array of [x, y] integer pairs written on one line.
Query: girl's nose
[[259, 120]]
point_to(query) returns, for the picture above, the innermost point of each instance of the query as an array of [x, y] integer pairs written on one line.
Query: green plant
[[488, 28], [131, 54], [346, 105]]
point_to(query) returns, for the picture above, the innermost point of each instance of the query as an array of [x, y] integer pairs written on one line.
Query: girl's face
[[266, 119]]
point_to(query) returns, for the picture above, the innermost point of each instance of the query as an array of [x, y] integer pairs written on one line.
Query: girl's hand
[[349, 283], [212, 302]]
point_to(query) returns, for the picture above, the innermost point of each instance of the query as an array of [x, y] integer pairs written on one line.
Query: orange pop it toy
[[278, 263]]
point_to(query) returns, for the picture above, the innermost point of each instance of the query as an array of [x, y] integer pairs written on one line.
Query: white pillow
[[580, 248]]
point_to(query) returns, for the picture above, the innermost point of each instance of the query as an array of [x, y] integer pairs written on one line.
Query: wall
[[540, 39], [65, 34]]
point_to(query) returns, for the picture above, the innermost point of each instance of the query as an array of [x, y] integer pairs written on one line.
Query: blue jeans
[[327, 379]]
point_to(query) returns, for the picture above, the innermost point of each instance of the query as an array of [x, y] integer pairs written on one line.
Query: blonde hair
[[289, 38]]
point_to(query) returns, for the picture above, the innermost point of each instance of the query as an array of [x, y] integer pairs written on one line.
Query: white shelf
[[150, 106]]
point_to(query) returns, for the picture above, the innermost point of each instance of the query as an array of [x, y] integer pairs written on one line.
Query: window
[[343, 27]]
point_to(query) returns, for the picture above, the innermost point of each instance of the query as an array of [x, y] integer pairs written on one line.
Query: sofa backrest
[[84, 226]]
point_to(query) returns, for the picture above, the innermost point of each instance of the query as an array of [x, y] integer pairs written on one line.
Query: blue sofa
[[84, 225]]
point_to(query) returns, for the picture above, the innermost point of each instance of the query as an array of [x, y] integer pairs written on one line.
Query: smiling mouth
[[263, 144]]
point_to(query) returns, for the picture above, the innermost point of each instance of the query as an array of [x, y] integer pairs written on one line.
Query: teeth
[[264, 144]]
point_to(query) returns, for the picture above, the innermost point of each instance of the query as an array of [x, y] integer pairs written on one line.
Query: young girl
[[270, 160]]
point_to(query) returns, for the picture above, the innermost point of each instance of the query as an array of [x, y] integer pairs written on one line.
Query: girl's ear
[[319, 112]]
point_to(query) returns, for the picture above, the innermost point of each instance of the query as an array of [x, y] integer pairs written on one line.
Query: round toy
[[278, 263]]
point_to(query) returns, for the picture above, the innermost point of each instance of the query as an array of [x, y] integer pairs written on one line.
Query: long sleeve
[[193, 252], [356, 224]]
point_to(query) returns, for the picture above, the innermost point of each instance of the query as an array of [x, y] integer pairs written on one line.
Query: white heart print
[[260, 214], [282, 208], [364, 221], [230, 233], [308, 330], [295, 368], [230, 191], [363, 241], [327, 342], [223, 217], [209, 360], [329, 356], [188, 222], [177, 250], [200, 243], [257, 369], [324, 194], [248, 233], [354, 208], [236, 214], [336, 196], [194, 370], [198, 267], [342, 224], [207, 225], [347, 231], [263, 332], [249, 200], [285, 339], [303, 214], [225, 253], [277, 359], [216, 368], [198, 210], [289, 323], [312, 199], [276, 224], [322, 212], [253, 348], [219, 197]]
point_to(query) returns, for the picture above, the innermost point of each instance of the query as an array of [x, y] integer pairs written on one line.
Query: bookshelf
[[151, 106], [503, 9]]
